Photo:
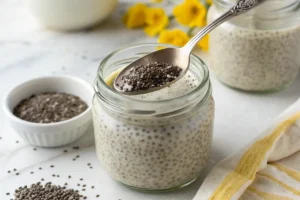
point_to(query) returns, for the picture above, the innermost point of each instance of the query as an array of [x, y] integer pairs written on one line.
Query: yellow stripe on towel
[[282, 184], [267, 196], [251, 160], [290, 172]]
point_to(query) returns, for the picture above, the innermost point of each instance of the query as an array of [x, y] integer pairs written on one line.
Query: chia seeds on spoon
[[50, 107], [148, 76]]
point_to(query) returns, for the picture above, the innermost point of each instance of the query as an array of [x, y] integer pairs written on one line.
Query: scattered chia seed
[[65, 151], [69, 176], [46, 192], [17, 174], [76, 147], [50, 107], [51, 166], [34, 149], [148, 76], [17, 141], [15, 169]]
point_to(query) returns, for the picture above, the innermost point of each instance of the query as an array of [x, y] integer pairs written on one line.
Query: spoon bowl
[[175, 56]]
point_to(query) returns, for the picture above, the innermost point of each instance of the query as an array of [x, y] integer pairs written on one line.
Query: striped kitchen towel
[[267, 169]]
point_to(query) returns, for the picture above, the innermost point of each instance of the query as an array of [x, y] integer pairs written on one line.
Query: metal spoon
[[181, 56]]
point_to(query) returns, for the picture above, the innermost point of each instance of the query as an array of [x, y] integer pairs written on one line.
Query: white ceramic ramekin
[[53, 134]]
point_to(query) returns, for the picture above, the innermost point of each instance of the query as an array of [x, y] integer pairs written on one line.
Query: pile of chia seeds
[[50, 107], [148, 76], [47, 192]]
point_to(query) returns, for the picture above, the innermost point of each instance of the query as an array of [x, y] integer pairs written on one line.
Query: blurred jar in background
[[68, 15], [257, 51]]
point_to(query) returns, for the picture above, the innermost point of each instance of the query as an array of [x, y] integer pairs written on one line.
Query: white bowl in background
[[71, 14], [52, 134]]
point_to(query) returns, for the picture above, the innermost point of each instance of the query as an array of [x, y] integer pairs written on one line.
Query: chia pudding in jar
[[155, 141], [259, 50]]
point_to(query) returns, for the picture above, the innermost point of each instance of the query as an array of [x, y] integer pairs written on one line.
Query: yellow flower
[[175, 37], [156, 20], [135, 16], [190, 13], [203, 44], [157, 1]]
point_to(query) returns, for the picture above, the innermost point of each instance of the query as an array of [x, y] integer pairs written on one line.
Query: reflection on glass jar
[[257, 51], [155, 141]]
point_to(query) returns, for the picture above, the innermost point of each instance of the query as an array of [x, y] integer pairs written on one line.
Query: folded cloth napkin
[[267, 169]]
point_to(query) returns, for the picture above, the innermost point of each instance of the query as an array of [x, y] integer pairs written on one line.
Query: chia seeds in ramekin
[[50, 107]]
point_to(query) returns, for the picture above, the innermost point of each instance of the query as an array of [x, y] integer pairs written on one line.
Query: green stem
[[204, 2], [171, 17], [190, 31]]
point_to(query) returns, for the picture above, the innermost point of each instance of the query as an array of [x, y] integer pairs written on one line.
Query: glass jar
[[155, 141], [259, 50]]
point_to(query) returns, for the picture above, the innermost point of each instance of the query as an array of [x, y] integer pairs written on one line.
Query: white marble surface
[[29, 50]]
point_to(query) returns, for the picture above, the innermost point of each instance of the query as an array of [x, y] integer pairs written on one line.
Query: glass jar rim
[[128, 105], [113, 92], [294, 4]]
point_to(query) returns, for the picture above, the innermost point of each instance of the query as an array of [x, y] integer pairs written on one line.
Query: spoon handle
[[240, 7]]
